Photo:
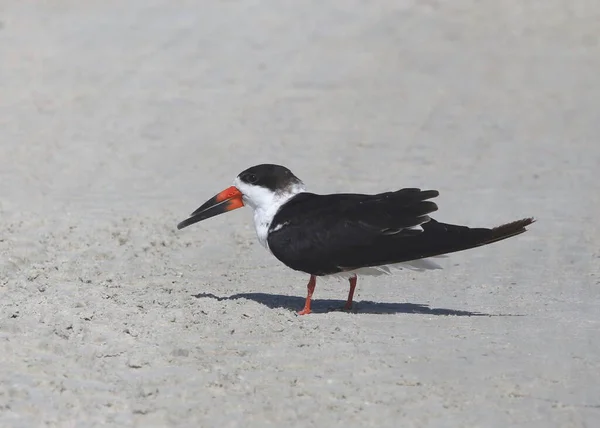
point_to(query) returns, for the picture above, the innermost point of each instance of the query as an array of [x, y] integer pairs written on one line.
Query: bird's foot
[[310, 288]]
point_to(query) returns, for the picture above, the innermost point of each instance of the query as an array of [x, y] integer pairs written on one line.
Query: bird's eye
[[251, 178]]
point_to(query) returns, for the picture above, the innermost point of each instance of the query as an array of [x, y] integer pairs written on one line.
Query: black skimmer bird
[[345, 234]]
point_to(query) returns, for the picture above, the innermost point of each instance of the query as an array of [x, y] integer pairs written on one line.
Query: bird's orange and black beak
[[228, 200]]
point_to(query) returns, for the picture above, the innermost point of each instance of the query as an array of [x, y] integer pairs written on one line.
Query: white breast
[[265, 204], [262, 223]]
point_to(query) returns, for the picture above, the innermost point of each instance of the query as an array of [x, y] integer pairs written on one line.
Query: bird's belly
[[414, 265]]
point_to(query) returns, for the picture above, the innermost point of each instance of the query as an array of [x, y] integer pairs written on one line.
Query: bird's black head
[[275, 178]]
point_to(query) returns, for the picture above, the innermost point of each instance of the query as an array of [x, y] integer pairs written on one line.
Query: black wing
[[322, 234], [325, 234]]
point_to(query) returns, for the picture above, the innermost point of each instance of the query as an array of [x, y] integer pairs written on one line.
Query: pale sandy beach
[[117, 119]]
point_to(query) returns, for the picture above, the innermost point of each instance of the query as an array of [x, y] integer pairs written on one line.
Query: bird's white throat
[[265, 203]]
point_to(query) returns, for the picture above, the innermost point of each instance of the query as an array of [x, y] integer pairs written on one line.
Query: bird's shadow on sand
[[295, 303]]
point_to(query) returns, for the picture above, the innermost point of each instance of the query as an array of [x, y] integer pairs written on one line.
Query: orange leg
[[311, 288], [348, 305]]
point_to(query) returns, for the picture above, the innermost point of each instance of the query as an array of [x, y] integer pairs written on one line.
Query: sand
[[120, 118]]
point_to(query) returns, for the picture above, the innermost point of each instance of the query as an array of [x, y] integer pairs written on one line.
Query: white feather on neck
[[265, 204]]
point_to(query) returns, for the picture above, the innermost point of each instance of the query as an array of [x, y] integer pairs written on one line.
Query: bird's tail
[[507, 230], [448, 238]]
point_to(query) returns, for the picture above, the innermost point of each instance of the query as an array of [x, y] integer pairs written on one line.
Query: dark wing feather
[[329, 233]]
